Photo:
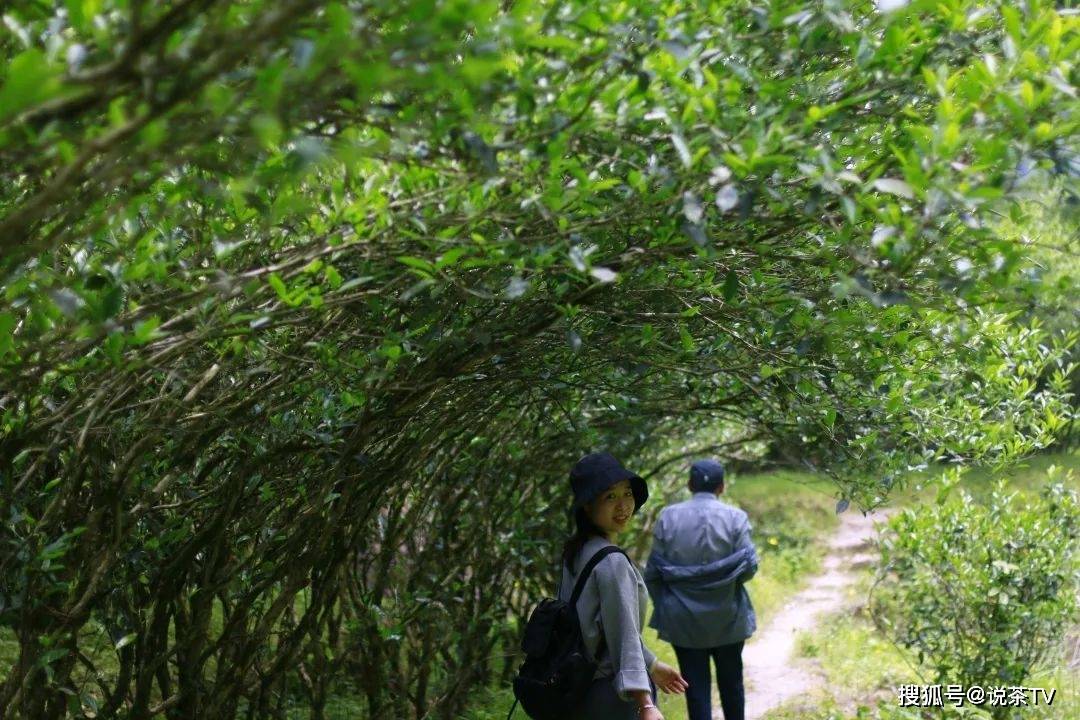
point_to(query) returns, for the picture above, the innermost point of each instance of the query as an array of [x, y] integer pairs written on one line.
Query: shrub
[[981, 591]]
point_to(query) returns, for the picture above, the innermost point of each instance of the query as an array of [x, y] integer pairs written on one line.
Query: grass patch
[[792, 515], [338, 707], [1025, 477], [863, 671], [857, 662]]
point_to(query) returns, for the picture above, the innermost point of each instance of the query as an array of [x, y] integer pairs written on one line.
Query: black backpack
[[557, 671]]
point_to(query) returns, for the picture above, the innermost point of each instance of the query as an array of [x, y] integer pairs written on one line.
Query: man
[[701, 556]]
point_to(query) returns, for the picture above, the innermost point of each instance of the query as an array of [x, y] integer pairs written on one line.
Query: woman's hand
[[652, 713], [668, 678], [646, 707]]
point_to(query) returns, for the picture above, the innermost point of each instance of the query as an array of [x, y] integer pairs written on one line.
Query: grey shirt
[[612, 606]]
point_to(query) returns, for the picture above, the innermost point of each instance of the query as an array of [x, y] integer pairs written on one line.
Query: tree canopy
[[308, 307]]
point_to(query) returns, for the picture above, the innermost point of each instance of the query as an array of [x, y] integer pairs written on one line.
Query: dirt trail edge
[[772, 674]]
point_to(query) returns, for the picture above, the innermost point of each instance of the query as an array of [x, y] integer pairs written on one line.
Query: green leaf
[[605, 184], [146, 330], [450, 257], [54, 550], [7, 330], [279, 286], [50, 656], [333, 277], [894, 187], [267, 129], [82, 12], [731, 285], [354, 282], [31, 78], [416, 263], [682, 149], [110, 303], [686, 338]]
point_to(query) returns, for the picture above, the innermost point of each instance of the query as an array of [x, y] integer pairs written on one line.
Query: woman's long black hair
[[584, 528]]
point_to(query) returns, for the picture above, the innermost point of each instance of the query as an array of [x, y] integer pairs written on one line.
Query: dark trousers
[[694, 666], [602, 703]]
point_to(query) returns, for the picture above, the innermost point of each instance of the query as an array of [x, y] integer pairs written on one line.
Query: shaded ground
[[773, 675]]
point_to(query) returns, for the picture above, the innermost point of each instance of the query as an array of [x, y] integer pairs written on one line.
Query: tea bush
[[982, 592]]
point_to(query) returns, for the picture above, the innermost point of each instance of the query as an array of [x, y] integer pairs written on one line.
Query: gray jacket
[[701, 556], [612, 607]]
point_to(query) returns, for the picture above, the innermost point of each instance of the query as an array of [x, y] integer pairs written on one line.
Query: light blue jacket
[[701, 556]]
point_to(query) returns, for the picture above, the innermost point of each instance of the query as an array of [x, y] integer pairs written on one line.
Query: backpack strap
[[599, 555]]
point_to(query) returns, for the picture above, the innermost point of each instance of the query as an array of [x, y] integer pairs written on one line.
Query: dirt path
[[772, 674]]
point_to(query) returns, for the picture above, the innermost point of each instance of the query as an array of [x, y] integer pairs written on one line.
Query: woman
[[611, 609]]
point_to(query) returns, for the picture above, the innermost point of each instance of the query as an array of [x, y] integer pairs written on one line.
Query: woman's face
[[612, 509]]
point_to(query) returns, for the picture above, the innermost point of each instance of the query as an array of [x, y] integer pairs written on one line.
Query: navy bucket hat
[[706, 475], [596, 472]]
